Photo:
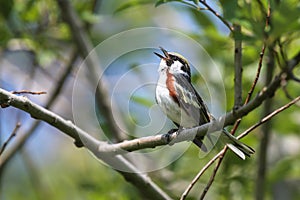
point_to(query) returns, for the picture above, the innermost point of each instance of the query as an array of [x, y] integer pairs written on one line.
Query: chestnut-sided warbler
[[179, 100]]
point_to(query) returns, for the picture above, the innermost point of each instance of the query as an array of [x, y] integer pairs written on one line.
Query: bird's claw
[[168, 135]]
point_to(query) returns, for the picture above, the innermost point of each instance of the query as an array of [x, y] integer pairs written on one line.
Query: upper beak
[[165, 53]]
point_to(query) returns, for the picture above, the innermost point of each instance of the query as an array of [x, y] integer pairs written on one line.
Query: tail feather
[[237, 151], [200, 144], [237, 146]]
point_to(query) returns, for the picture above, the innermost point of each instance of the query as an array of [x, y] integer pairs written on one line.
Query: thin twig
[[284, 57], [12, 135], [254, 83], [197, 177], [55, 91], [237, 123], [217, 15], [28, 92], [284, 88], [261, 56], [211, 180], [268, 117], [245, 133], [266, 130]]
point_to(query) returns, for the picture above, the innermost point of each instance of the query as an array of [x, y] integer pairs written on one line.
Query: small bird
[[179, 100]]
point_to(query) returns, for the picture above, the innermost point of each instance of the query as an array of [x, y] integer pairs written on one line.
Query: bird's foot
[[173, 130], [168, 135]]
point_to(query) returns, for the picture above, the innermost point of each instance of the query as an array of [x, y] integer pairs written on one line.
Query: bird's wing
[[190, 100]]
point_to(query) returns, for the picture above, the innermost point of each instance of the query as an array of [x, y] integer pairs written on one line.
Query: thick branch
[[22, 138], [238, 67], [8, 99], [81, 137], [38, 112]]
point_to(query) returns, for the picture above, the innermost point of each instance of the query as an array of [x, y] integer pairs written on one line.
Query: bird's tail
[[238, 147]]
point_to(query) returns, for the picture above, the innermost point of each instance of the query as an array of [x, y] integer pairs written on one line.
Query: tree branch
[[158, 140], [12, 135], [265, 136], [268, 117], [238, 67], [29, 92], [197, 177], [81, 137], [53, 96], [85, 46], [221, 153], [203, 2], [151, 141], [6, 98]]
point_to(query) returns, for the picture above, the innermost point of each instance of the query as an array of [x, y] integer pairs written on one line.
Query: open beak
[[165, 53]]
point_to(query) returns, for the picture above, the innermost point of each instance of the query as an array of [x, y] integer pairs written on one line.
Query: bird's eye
[[183, 68]]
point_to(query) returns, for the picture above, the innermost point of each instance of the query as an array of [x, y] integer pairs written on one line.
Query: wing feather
[[190, 100]]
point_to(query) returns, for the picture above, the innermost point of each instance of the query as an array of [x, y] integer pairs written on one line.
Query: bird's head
[[174, 63]]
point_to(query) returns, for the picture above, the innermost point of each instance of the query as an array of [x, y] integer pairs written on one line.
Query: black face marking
[[171, 58], [169, 62], [185, 67]]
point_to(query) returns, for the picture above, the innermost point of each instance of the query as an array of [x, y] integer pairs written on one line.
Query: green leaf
[[132, 3], [90, 17], [160, 2], [142, 100], [6, 7], [229, 8], [285, 18]]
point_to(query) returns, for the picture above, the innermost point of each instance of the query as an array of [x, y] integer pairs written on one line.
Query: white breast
[[170, 107]]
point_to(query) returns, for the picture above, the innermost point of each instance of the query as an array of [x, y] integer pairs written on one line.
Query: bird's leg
[[173, 130], [170, 132]]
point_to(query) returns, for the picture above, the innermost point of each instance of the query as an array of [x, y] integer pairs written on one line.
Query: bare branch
[[211, 180], [54, 94], [47, 116], [245, 133], [186, 134], [132, 145], [12, 135], [68, 128], [268, 117], [197, 177], [203, 2], [238, 67], [28, 92], [266, 130], [261, 56], [81, 137], [237, 122]]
